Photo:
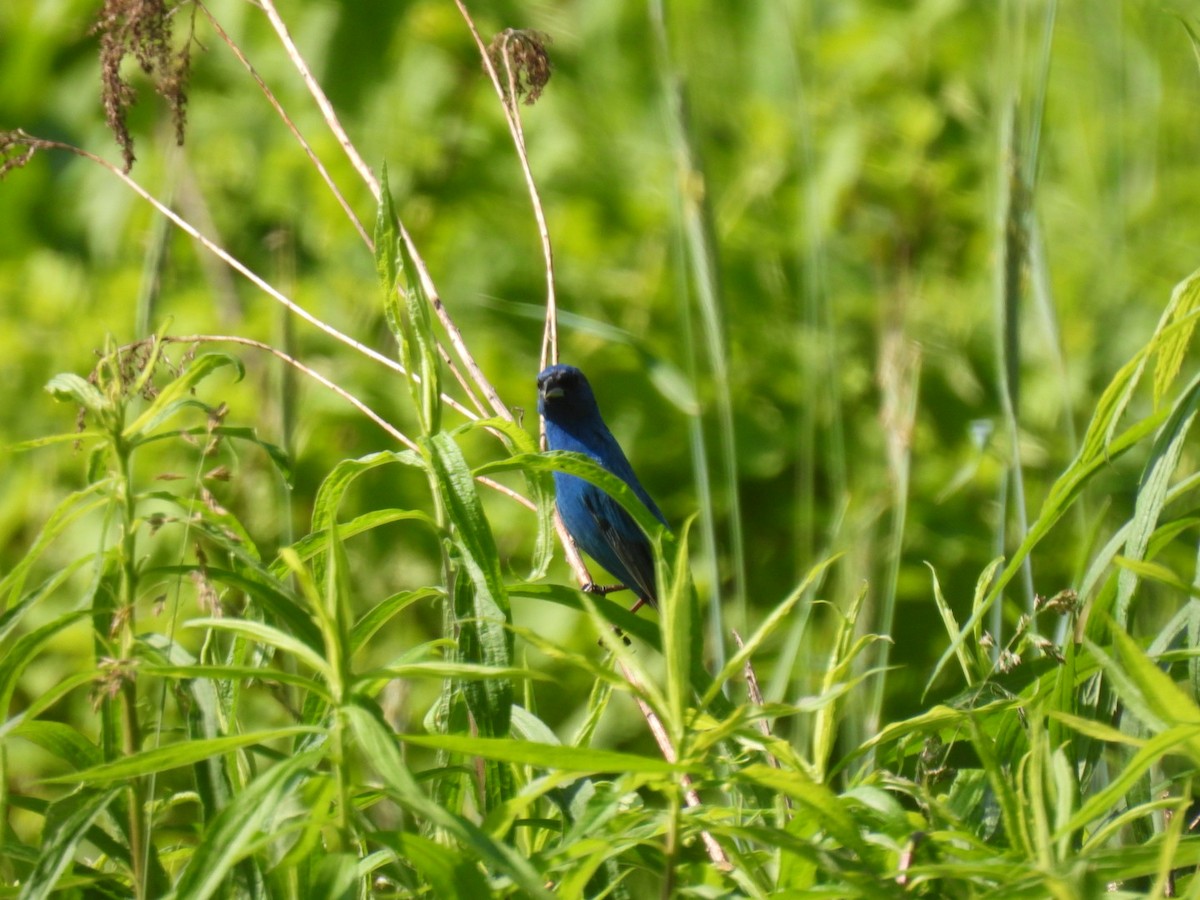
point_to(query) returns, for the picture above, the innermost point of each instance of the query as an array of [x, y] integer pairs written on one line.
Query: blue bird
[[598, 524]]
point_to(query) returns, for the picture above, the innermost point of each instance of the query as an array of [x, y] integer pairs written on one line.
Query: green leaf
[[581, 760], [69, 387], [379, 746], [315, 542], [772, 622], [1102, 803], [25, 649], [490, 613], [239, 827], [273, 637], [1181, 310], [329, 500], [71, 508], [387, 258], [381, 613], [172, 756], [236, 673], [541, 488], [174, 396], [1152, 491], [422, 359], [67, 824], [63, 741], [820, 803], [449, 872]]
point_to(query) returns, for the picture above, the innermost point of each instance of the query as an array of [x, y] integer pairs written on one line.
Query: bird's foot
[[592, 588]]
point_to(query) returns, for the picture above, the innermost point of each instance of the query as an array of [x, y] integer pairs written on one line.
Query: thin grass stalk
[[1012, 248], [698, 450], [243, 270], [507, 92], [497, 405], [139, 825], [700, 252], [820, 429], [715, 851], [291, 126], [156, 252], [900, 378]]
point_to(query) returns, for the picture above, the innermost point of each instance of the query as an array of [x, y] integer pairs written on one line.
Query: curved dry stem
[[456, 339], [715, 851], [508, 102], [234, 263], [304, 145], [316, 376]]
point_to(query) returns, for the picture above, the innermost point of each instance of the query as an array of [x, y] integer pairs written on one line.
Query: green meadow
[[890, 304]]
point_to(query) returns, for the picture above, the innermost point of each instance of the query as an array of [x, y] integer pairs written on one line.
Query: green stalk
[[139, 850]]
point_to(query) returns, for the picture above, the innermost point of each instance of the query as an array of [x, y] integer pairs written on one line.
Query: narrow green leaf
[[1165, 698], [381, 613], [173, 756], [73, 816], [461, 670], [1063, 494], [379, 746], [583, 760], [24, 650], [831, 815], [541, 490], [315, 542], [957, 637], [61, 740], [425, 361], [69, 387], [680, 612], [480, 561], [74, 437], [70, 509], [237, 673], [270, 636], [449, 872], [329, 499], [1182, 309], [386, 257], [241, 825], [1152, 491], [1102, 803], [166, 402], [766, 629]]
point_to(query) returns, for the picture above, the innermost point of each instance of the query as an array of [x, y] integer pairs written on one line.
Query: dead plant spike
[[522, 54], [141, 29]]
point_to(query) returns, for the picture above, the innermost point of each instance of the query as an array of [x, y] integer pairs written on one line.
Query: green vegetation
[[889, 304]]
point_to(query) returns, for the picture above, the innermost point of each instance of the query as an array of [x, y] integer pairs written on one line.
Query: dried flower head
[[1064, 602], [111, 674], [521, 59], [141, 29]]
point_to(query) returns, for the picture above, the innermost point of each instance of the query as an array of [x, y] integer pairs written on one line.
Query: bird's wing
[[626, 540]]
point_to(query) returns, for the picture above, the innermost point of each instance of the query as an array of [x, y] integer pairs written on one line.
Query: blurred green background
[[850, 163]]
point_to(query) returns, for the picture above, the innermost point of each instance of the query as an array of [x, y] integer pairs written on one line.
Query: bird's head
[[564, 393]]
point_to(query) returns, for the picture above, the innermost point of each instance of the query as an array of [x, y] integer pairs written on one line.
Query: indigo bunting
[[598, 524]]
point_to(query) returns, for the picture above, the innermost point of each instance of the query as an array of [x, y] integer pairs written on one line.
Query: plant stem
[[132, 740]]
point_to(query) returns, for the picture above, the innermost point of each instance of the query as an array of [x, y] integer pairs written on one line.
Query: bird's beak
[[553, 393]]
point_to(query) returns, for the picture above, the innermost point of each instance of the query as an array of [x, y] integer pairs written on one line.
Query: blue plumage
[[600, 526]]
